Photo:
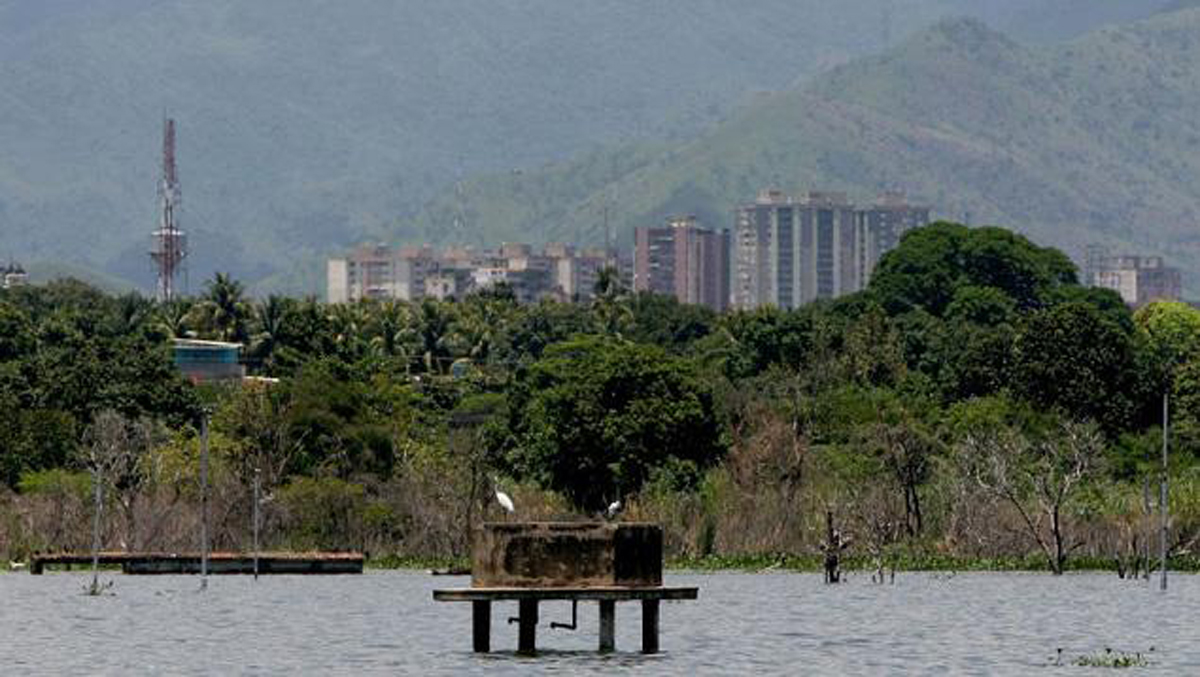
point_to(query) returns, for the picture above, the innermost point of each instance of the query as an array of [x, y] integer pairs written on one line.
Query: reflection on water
[[387, 623]]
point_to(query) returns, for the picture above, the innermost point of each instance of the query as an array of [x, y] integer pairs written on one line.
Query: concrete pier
[[481, 625], [535, 562], [650, 626], [527, 636], [608, 625], [527, 604]]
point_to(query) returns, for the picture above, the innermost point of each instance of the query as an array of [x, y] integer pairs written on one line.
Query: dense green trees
[[1072, 358], [934, 263], [68, 352], [862, 406], [596, 418]]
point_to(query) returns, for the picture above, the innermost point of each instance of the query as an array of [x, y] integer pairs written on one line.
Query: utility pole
[[98, 481], [204, 500], [1162, 498], [256, 521]]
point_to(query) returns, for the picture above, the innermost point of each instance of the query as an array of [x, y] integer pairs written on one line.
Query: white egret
[[613, 509], [505, 501]]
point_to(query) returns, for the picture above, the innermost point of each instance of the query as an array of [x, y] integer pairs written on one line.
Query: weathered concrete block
[[567, 554]]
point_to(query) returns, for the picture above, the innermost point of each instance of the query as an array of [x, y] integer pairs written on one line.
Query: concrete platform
[[533, 562], [566, 554], [560, 594]]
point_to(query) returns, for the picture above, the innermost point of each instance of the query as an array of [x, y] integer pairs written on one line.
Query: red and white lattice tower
[[170, 243]]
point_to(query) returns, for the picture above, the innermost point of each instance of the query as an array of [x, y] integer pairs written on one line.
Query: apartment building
[[415, 273], [683, 260], [792, 251], [880, 227], [1138, 279]]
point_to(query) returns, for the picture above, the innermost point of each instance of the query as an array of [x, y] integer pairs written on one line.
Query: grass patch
[[813, 563]]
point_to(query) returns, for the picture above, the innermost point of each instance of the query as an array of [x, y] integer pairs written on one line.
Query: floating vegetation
[[1109, 659]]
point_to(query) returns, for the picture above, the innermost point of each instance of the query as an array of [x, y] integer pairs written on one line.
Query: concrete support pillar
[[527, 637], [650, 626], [608, 625], [481, 626]]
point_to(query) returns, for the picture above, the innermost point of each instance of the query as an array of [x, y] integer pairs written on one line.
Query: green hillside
[[308, 125], [305, 125], [1092, 140]]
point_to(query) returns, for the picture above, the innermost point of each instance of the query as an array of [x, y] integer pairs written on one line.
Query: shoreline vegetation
[[813, 564], [974, 409], [802, 564]]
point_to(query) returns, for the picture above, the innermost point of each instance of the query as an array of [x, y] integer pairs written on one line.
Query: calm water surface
[[387, 623]]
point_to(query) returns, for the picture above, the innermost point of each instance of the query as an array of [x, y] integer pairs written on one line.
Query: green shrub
[[323, 513]]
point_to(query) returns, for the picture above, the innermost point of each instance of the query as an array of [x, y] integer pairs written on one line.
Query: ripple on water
[[775, 623]]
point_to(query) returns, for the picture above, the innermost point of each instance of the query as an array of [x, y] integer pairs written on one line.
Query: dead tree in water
[[1037, 477], [113, 452], [1132, 556], [904, 450], [833, 546], [881, 524]]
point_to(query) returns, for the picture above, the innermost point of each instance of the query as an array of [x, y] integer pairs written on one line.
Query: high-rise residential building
[[683, 260], [881, 226], [1138, 279], [827, 266], [788, 252]]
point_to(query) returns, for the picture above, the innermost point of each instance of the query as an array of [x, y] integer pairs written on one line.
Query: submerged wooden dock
[[161, 563]]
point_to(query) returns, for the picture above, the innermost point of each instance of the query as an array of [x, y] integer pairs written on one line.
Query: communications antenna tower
[[170, 243]]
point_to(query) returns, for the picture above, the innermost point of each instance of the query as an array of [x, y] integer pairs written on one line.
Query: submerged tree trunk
[[833, 546], [1060, 556]]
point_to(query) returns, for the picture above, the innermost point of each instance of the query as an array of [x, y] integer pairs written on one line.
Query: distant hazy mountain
[[306, 125], [1092, 140]]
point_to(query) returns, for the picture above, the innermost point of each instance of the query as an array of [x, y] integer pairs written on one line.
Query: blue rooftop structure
[[208, 361]]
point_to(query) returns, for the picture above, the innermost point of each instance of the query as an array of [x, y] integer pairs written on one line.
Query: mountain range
[[1089, 140], [306, 126]]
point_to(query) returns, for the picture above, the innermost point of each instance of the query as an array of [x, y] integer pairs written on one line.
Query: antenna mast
[[170, 243]]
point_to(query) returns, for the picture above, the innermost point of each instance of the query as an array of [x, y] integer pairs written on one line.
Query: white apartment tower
[[789, 252]]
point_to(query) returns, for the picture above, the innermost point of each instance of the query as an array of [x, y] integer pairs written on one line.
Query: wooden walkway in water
[[151, 563]]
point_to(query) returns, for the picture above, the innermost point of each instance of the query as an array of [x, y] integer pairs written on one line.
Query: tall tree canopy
[[933, 263], [597, 417]]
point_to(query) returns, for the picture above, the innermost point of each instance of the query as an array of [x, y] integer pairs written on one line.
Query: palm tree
[[435, 333], [349, 322], [222, 312], [268, 327], [171, 318], [391, 328], [478, 327], [132, 311], [608, 284], [609, 304]]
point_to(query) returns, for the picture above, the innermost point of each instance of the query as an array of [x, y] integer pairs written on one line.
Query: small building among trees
[[209, 361]]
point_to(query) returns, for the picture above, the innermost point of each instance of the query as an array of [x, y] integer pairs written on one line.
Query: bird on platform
[[504, 501], [612, 509]]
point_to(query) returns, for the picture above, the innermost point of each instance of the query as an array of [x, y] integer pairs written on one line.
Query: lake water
[[387, 623]]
